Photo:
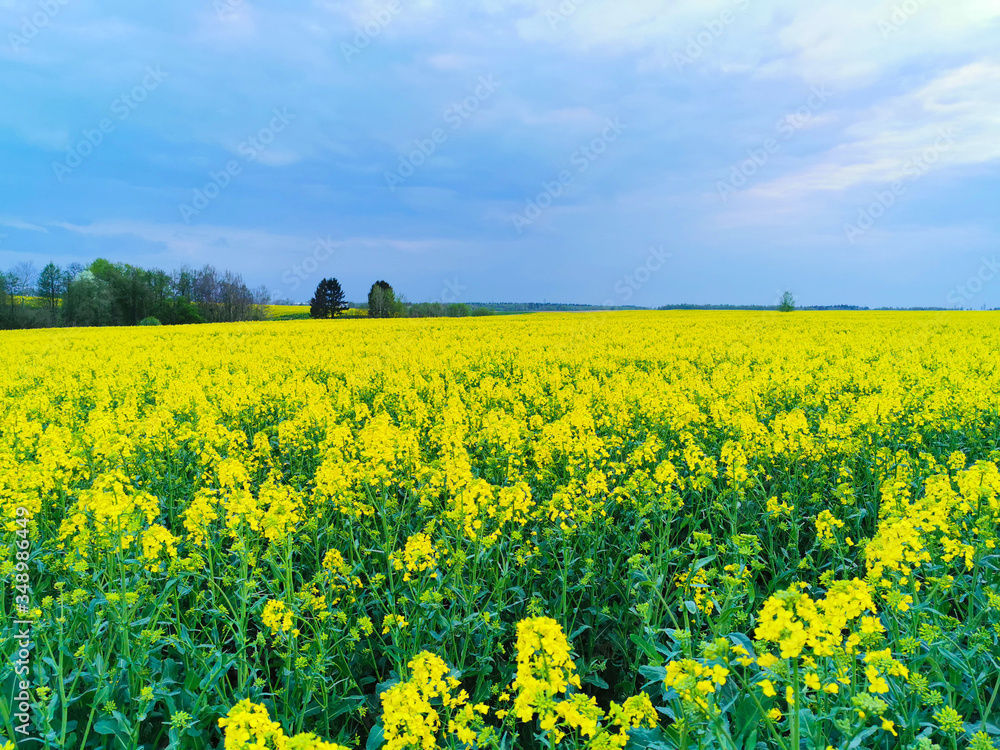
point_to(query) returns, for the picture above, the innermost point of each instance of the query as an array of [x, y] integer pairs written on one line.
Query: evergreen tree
[[328, 302]]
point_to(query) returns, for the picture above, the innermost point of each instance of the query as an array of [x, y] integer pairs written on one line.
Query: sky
[[582, 151]]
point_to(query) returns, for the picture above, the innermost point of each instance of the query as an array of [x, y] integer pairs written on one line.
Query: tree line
[[119, 294], [383, 302]]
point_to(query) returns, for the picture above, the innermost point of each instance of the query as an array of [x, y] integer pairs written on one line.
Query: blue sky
[[632, 152]]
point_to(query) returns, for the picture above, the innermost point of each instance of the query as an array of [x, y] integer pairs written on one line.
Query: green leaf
[[703, 562], [376, 737], [643, 739], [644, 644], [856, 742], [106, 725], [593, 679]]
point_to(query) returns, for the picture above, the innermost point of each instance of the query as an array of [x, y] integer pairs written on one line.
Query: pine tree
[[328, 301]]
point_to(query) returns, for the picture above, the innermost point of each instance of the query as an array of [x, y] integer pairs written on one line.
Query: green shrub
[[150, 321]]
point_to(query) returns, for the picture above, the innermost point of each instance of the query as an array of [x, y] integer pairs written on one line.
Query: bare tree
[[24, 276]]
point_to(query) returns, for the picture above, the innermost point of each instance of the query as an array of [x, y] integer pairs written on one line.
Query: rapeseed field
[[644, 530]]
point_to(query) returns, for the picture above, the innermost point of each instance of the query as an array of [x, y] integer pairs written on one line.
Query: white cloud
[[602, 23], [852, 42], [855, 42], [951, 121], [14, 223]]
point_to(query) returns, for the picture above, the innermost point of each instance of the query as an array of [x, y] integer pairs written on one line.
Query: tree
[[261, 298], [51, 285], [381, 300], [328, 302], [72, 270], [5, 299], [787, 303], [183, 281], [427, 310], [24, 276], [88, 301], [224, 298], [109, 293], [177, 311]]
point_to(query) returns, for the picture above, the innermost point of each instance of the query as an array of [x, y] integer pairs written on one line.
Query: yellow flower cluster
[[695, 682], [158, 544], [391, 622], [248, 726], [418, 556], [545, 669], [546, 672], [409, 716], [277, 617], [826, 525], [954, 519], [796, 622], [878, 665], [108, 515]]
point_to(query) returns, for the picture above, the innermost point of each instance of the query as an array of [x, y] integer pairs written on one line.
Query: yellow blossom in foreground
[[248, 726]]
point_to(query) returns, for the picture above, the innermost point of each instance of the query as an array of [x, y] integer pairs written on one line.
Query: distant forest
[[119, 294], [805, 307], [106, 294]]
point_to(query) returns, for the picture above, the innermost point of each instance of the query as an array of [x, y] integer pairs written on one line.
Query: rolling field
[[660, 530]]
